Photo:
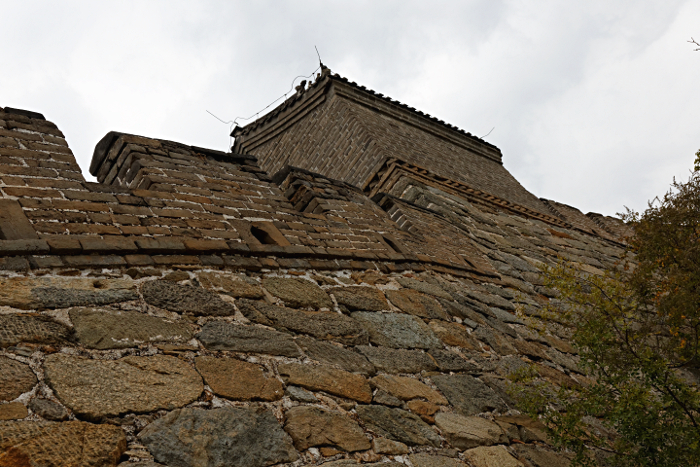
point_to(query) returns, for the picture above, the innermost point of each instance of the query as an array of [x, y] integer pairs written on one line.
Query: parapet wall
[[193, 310]]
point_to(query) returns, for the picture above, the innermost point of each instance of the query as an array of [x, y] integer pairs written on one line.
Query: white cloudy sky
[[595, 104]]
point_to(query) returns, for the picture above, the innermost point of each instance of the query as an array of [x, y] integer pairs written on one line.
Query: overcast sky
[[595, 104]]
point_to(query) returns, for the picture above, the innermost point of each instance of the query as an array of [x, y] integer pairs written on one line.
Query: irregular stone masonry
[[192, 310]]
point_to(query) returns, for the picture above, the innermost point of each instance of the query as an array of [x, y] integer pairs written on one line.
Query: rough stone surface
[[423, 409], [398, 425], [16, 378], [417, 304], [495, 340], [359, 298], [300, 394], [238, 380], [235, 286], [397, 360], [326, 325], [94, 389], [424, 287], [454, 334], [467, 394], [116, 329], [324, 378], [219, 335], [13, 411], [231, 436], [431, 460], [48, 409], [38, 329], [335, 355], [397, 331], [406, 388], [55, 292], [298, 293], [448, 360], [185, 299], [387, 446], [469, 432], [313, 426], [72, 443], [491, 456], [536, 456]]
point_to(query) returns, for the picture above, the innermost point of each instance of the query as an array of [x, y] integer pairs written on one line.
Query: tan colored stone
[[16, 378], [13, 411], [323, 378], [407, 388], [416, 303], [52, 444], [238, 380], [454, 334], [313, 426], [491, 456], [233, 285], [468, 432], [387, 446], [424, 410], [297, 293], [94, 389]]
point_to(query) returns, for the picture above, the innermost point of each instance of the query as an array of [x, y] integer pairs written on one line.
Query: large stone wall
[[193, 310]]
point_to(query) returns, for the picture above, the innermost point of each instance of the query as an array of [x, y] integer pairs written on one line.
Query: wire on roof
[[234, 122]]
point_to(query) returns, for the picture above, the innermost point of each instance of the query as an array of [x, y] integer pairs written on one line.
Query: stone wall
[[194, 310]]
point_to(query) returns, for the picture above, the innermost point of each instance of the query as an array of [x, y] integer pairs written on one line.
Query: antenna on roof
[[319, 57], [482, 137]]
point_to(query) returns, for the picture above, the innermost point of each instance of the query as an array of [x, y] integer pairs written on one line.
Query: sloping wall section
[[194, 309]]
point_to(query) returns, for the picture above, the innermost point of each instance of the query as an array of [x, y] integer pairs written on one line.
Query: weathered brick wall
[[351, 132], [193, 310]]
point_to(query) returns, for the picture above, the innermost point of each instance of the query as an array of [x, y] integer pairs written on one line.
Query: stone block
[[219, 335], [298, 293], [16, 378], [397, 360], [117, 329], [398, 425], [469, 432], [71, 443], [238, 380], [491, 456], [185, 299], [326, 352], [397, 331], [26, 328], [327, 379], [407, 388], [326, 325], [231, 436], [95, 389], [468, 395], [314, 426], [359, 298]]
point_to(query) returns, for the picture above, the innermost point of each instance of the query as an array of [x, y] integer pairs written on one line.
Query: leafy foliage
[[637, 333]]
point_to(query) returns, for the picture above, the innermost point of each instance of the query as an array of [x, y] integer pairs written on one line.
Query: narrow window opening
[[262, 236], [392, 245]]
